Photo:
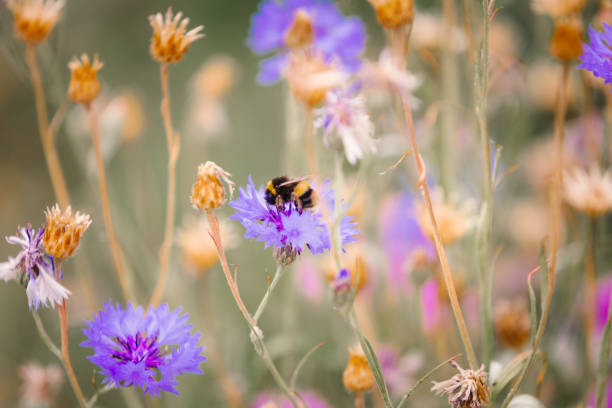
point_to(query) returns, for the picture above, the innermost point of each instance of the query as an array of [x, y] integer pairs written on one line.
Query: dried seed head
[[512, 323], [357, 376], [589, 192], [300, 33], [33, 20], [170, 41], [453, 221], [84, 84], [63, 231], [558, 8], [207, 192], [216, 77], [393, 14], [310, 78], [468, 389], [566, 41]]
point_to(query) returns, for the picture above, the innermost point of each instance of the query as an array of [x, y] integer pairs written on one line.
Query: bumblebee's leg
[[297, 201]]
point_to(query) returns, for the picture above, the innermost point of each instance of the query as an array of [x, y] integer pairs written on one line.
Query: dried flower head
[[589, 192], [566, 40], [357, 376], [207, 192], [428, 33], [512, 323], [63, 231], [558, 8], [84, 84], [216, 77], [198, 250], [468, 389], [40, 384], [393, 14], [33, 20], [385, 73], [453, 221], [301, 32], [128, 109], [310, 78], [170, 41]]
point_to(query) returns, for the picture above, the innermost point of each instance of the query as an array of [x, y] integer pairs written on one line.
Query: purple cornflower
[[289, 227], [336, 37], [33, 269], [597, 56], [144, 350]]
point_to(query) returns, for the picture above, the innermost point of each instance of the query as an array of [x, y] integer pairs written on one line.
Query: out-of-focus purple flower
[[336, 37], [288, 226], [34, 269], [312, 400], [404, 242], [602, 301], [346, 124], [431, 308], [143, 350], [309, 281], [597, 56], [608, 396], [399, 371]]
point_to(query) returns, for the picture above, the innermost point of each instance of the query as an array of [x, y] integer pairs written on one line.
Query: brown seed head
[[63, 231], [393, 14], [468, 389], [300, 33], [310, 78], [207, 192], [566, 41], [512, 323], [33, 20], [84, 84], [170, 41], [357, 376]]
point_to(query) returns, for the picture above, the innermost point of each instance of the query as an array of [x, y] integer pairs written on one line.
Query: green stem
[[264, 301], [92, 401]]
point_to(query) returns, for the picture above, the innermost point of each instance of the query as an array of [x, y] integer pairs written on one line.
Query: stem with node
[[173, 153]]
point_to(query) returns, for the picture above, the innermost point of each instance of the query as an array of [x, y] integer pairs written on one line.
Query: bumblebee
[[281, 190]]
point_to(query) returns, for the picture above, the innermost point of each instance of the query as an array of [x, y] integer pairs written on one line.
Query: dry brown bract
[[566, 41], [512, 323], [207, 192], [300, 33], [170, 41], [468, 389], [357, 376], [63, 231], [84, 84], [558, 8], [589, 192], [393, 14], [34, 19]]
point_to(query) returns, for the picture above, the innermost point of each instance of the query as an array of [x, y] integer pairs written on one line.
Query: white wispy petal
[[46, 290], [8, 270]]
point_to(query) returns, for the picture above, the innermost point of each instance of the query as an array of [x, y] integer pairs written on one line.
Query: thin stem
[[113, 242], [264, 301], [448, 277], [173, 153], [555, 204], [53, 164], [256, 333], [61, 309], [92, 401], [486, 287], [45, 336], [359, 400], [308, 139]]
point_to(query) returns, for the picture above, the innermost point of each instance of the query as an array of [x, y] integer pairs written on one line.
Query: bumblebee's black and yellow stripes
[[281, 190]]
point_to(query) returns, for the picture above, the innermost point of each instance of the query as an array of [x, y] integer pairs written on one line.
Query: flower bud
[[207, 192], [393, 14], [84, 84], [566, 41], [63, 231], [357, 376], [285, 255]]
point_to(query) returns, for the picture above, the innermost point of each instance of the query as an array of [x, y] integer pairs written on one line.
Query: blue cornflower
[[597, 56], [288, 227], [144, 350], [336, 37], [34, 269]]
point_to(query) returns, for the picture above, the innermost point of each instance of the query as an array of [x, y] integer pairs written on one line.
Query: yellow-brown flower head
[[310, 78], [512, 323], [468, 389], [170, 41], [33, 20], [357, 376], [216, 77], [84, 84], [566, 40], [558, 8], [300, 33], [198, 250], [453, 221], [589, 192], [207, 192], [393, 14], [63, 231]]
